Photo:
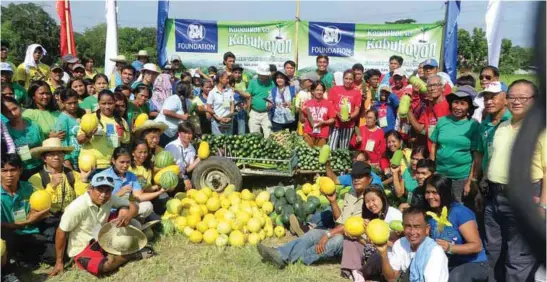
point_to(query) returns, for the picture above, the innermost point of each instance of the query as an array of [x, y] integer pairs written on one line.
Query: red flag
[[68, 46]]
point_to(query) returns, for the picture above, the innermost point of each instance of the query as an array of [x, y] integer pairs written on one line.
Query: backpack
[[46, 179]]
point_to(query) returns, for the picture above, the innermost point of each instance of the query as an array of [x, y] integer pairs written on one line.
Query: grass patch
[[180, 260]]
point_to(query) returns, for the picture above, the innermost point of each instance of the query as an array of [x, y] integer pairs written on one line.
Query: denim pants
[[221, 129], [304, 248], [505, 246], [469, 272], [323, 219], [241, 120]]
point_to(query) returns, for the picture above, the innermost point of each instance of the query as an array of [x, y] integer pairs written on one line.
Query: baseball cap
[[5, 67], [493, 87], [313, 76], [360, 169], [175, 58], [464, 91], [399, 72], [78, 66], [102, 179], [69, 59], [263, 69], [431, 62], [55, 67]]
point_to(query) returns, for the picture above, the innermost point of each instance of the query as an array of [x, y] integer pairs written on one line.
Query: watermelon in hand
[[169, 180], [164, 159]]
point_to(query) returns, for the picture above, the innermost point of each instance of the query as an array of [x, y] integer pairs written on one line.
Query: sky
[[518, 16]]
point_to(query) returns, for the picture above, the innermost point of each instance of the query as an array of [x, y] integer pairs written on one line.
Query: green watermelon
[[314, 200], [285, 217], [279, 208], [290, 195], [309, 207], [288, 209], [396, 225], [279, 192], [169, 180], [278, 220], [163, 159]]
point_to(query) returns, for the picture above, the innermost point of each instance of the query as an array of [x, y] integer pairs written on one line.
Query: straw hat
[[150, 67], [50, 145], [142, 53], [121, 240], [119, 59], [149, 124]]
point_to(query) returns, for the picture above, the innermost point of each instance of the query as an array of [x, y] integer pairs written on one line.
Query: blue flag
[[163, 12], [450, 55]]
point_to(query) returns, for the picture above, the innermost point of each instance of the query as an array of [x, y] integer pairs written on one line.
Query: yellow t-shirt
[[502, 147], [58, 202], [105, 140], [40, 73], [143, 174]]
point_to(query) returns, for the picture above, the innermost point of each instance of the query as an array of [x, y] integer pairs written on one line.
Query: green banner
[[202, 43]]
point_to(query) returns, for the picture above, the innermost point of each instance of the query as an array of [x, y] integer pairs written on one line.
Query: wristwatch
[[329, 235]]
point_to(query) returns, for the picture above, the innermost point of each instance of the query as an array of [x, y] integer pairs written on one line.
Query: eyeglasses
[[513, 99], [103, 178], [487, 77], [434, 85]]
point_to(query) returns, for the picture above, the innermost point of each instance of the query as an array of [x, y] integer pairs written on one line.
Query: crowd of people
[[428, 151]]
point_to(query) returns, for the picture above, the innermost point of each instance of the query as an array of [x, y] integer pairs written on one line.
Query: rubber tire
[[227, 166]]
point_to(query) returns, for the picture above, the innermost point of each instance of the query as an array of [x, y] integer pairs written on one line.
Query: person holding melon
[[100, 83], [150, 132], [61, 182], [141, 166], [370, 138], [317, 115], [42, 109], [126, 184], [347, 103], [317, 244], [415, 257], [355, 250], [25, 134], [395, 156], [110, 133], [20, 221], [406, 182], [139, 105], [69, 122], [454, 228]]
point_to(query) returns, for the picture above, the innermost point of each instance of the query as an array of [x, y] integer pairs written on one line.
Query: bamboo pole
[[297, 29]]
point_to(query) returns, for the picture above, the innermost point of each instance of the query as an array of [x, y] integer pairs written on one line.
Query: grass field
[[180, 260]]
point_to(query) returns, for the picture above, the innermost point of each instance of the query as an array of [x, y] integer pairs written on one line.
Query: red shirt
[[372, 142], [430, 117], [320, 110], [447, 89], [337, 95]]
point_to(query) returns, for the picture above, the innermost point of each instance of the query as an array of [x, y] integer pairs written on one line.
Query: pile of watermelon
[[302, 202]]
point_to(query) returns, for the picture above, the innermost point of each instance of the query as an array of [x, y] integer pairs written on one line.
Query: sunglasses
[[487, 77], [107, 178]]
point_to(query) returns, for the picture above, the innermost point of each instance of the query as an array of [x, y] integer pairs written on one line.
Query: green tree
[[91, 43], [25, 24], [403, 21], [472, 48]]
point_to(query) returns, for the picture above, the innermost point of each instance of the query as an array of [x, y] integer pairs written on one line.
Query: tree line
[[28, 23]]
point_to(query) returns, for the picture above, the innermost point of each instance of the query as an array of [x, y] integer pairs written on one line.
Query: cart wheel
[[216, 173]]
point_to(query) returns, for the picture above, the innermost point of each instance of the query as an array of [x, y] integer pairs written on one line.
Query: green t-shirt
[[45, 120], [410, 182], [133, 111], [90, 103], [16, 208], [327, 79], [258, 92], [455, 139], [486, 137], [25, 140], [19, 92], [70, 126]]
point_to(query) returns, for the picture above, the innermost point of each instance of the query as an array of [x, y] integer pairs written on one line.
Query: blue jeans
[[471, 271], [508, 253], [241, 120], [304, 248], [322, 220], [221, 129]]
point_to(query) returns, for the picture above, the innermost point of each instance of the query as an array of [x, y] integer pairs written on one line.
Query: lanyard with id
[[112, 136], [225, 99], [382, 116], [24, 152]]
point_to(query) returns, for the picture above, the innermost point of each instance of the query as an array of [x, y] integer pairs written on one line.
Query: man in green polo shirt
[[19, 222], [258, 90], [497, 112]]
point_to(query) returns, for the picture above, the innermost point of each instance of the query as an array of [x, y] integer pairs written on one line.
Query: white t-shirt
[[479, 103], [184, 157], [393, 214], [172, 103], [401, 255], [221, 101]]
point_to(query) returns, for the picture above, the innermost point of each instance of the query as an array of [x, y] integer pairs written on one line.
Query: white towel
[[29, 57]]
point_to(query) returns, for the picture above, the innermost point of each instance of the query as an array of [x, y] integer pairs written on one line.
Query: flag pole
[[297, 28], [67, 26], [441, 60]]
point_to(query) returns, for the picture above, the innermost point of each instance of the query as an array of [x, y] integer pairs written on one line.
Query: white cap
[[492, 87], [5, 67], [263, 69], [399, 72], [175, 57], [149, 67]]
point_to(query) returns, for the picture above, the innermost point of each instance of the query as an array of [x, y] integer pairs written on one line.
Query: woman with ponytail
[[110, 134]]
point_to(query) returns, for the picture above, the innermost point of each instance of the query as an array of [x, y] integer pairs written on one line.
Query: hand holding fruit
[[331, 198], [84, 175], [382, 249], [35, 216], [358, 139]]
